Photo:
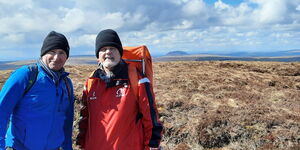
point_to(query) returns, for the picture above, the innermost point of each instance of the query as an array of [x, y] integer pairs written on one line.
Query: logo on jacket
[[93, 97], [120, 92]]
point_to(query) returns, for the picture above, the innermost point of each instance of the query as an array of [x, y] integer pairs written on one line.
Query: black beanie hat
[[108, 37], [55, 40]]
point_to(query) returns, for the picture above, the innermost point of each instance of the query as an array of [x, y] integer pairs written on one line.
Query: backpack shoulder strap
[[69, 88], [92, 74], [133, 78], [33, 72]]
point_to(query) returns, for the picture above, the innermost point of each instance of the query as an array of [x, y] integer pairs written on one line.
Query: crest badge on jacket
[[121, 91]]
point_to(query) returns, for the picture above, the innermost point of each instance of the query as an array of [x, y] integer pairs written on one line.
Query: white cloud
[[22, 3], [270, 11], [72, 21], [113, 20], [28, 20], [221, 6], [22, 23], [13, 38], [298, 8], [135, 19], [282, 35], [229, 15], [194, 7], [83, 40], [157, 41], [247, 34], [165, 25], [153, 26], [185, 24]]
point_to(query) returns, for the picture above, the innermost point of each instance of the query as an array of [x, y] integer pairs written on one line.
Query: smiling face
[[55, 59], [109, 56]]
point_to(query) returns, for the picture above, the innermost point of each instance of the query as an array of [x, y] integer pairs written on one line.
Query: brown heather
[[220, 105]]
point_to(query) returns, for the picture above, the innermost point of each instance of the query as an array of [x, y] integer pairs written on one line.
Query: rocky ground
[[220, 105]]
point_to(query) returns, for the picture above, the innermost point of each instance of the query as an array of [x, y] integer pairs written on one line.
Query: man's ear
[[98, 61]]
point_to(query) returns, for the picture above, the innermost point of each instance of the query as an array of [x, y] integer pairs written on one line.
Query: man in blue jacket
[[42, 117]]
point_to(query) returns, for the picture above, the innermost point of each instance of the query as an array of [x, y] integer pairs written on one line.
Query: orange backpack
[[140, 61]]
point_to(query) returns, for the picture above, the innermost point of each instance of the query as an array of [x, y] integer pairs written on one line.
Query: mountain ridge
[[280, 56]]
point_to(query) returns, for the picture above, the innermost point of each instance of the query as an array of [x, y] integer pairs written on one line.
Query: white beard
[[109, 64]]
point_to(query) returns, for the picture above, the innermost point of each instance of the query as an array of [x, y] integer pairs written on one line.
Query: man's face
[[109, 56], [55, 59]]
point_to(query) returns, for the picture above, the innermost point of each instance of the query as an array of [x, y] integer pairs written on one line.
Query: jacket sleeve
[[68, 126], [83, 122], [151, 125], [12, 91]]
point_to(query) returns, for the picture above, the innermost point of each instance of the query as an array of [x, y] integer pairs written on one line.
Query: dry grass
[[221, 105]]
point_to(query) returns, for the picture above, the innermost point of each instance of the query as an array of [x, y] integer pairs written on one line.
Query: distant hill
[[226, 58], [177, 53], [294, 52], [277, 59], [279, 56]]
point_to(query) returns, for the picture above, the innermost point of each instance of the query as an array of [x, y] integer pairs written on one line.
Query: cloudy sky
[[194, 26]]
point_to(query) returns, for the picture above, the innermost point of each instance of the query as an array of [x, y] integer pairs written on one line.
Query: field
[[220, 105]]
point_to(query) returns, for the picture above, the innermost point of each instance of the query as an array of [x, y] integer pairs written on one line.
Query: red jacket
[[115, 118]]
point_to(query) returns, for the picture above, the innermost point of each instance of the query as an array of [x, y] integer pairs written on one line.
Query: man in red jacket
[[114, 116]]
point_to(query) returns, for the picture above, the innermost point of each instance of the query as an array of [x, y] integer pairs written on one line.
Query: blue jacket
[[40, 120]]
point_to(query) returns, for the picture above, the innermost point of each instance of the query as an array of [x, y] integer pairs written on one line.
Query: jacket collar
[[119, 75], [56, 76]]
